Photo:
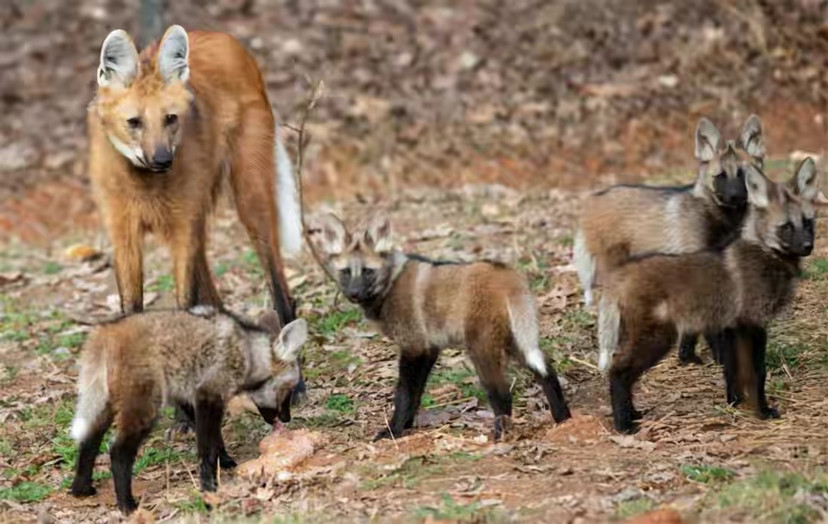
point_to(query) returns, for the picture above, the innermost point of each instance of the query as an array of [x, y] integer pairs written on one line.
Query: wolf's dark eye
[[740, 173], [368, 273], [721, 175], [346, 272], [134, 122], [808, 223], [787, 227], [170, 119]]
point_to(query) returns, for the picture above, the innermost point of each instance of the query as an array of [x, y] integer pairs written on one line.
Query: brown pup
[[734, 291], [672, 219], [198, 360], [166, 129], [425, 306]]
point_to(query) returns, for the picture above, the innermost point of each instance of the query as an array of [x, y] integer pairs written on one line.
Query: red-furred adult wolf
[[166, 128]]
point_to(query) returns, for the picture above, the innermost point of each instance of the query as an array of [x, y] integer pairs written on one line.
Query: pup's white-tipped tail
[[523, 319], [609, 321], [585, 265], [290, 209], [93, 397]]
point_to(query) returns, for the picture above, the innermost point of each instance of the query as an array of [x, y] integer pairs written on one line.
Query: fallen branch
[[304, 139]]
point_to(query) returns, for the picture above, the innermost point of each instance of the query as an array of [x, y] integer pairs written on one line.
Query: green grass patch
[[817, 268], [164, 284], [408, 475], [250, 263], [51, 268], [333, 323], [340, 403], [26, 492], [194, 505], [631, 508], [329, 419], [156, 456], [465, 379], [450, 509], [781, 353], [221, 269], [777, 497], [706, 474], [343, 359]]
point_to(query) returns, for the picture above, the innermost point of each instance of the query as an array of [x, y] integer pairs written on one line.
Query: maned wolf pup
[[425, 306], [735, 291], [681, 219], [133, 366]]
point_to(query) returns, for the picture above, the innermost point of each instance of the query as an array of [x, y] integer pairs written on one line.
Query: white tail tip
[[80, 429], [290, 209]]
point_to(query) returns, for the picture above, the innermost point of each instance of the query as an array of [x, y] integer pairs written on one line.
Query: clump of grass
[[194, 505], [51, 268], [26, 492], [333, 323], [781, 353], [817, 268], [706, 474], [340, 403], [164, 284], [778, 497], [451, 510], [465, 379], [631, 508]]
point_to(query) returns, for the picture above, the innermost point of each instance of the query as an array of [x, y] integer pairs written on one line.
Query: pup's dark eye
[[368, 273], [787, 227], [134, 122], [740, 173], [170, 119], [808, 223], [346, 272], [721, 175]]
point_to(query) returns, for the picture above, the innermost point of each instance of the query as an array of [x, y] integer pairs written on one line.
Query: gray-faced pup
[[732, 292], [132, 367], [679, 219], [426, 306]]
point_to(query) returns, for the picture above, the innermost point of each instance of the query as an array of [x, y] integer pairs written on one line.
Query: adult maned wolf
[[166, 128]]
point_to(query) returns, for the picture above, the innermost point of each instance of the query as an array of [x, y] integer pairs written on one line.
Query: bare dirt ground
[[429, 105], [694, 454]]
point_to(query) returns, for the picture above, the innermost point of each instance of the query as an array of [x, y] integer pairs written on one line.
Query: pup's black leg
[[687, 350], [759, 341], [553, 392], [209, 411], [122, 454], [414, 369], [87, 453]]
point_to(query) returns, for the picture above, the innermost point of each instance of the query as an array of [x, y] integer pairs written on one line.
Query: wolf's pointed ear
[[291, 339], [174, 56], [334, 236], [269, 321], [378, 234], [119, 60], [805, 179], [708, 140], [758, 187], [751, 138]]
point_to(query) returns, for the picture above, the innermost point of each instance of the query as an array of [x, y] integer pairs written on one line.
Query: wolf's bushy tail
[[290, 209]]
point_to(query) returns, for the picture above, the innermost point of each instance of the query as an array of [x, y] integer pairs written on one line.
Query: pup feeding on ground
[[197, 360], [680, 219], [426, 306], [735, 291]]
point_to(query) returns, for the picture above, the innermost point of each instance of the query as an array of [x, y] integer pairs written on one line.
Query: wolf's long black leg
[[687, 350]]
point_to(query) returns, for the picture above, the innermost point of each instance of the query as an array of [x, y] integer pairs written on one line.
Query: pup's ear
[[269, 321], [752, 140], [334, 237], [291, 340], [708, 140], [378, 234], [758, 187], [805, 179], [119, 60]]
